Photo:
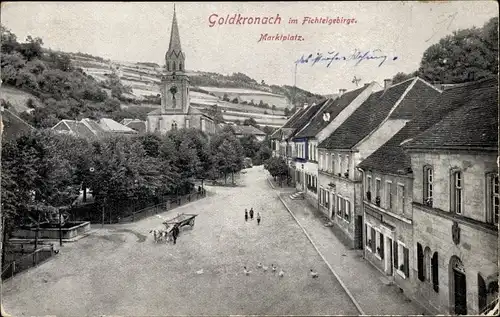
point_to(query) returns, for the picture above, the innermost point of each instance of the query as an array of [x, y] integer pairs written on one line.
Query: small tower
[[175, 83]]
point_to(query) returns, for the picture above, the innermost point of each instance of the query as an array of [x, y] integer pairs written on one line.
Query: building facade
[[456, 204], [175, 111]]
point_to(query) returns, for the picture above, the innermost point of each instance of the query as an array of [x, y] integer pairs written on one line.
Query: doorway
[[460, 292]]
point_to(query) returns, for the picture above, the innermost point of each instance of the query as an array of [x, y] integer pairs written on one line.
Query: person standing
[[258, 218], [251, 213], [246, 215], [175, 233]]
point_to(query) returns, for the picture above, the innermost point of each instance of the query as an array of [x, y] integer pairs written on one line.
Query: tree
[[400, 77], [277, 167], [273, 108], [250, 121], [287, 112], [235, 100], [225, 97]]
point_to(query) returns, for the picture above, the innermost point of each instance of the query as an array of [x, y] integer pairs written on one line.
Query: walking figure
[[175, 233], [258, 218], [246, 215], [251, 213]]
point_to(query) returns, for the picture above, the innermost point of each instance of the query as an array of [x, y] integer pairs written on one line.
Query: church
[[175, 111]]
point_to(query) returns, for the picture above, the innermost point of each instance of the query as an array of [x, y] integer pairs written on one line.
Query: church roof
[[175, 40]]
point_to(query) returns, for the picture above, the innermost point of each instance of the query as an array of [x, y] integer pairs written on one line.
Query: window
[[427, 264], [347, 210], [339, 206], [187, 124], [347, 163], [493, 198], [321, 162], [341, 165], [377, 191], [457, 193], [401, 259], [174, 126], [428, 187], [327, 196], [333, 164], [388, 195], [368, 187], [373, 236], [420, 262], [401, 197], [435, 274], [379, 243], [180, 66], [368, 234]]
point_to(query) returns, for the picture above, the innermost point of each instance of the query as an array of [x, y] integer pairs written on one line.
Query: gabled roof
[[376, 109], [111, 125], [473, 125], [391, 157], [76, 128], [12, 126], [137, 125], [334, 107], [278, 133], [247, 129], [304, 118]]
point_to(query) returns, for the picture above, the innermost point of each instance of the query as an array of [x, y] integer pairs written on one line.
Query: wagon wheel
[[191, 223]]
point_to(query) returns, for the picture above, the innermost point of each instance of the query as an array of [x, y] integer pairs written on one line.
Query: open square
[[119, 270]]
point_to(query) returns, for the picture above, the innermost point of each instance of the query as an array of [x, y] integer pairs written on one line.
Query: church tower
[[175, 82]]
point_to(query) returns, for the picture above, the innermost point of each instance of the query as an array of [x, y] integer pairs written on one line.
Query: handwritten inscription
[[358, 56]]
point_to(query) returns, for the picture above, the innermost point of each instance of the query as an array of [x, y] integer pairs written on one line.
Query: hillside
[[45, 86]]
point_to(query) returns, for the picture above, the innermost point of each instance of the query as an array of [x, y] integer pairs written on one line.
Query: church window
[[180, 66], [174, 125], [168, 66]]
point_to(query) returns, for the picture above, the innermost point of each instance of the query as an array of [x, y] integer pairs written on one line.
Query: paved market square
[[118, 270]]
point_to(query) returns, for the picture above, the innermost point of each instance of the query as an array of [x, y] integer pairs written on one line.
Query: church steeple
[[174, 58]]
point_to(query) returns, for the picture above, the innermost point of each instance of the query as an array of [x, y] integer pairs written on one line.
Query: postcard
[[249, 158]]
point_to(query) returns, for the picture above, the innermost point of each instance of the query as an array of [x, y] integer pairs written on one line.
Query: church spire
[[175, 39], [174, 58]]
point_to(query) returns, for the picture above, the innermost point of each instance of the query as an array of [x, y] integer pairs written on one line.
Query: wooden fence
[[28, 261]]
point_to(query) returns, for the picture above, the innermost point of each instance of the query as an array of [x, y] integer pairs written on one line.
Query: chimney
[[387, 83], [341, 92], [366, 85]]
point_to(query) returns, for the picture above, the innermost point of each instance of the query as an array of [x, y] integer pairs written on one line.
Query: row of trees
[[45, 169], [466, 55]]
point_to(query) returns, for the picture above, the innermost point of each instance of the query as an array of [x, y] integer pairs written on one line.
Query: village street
[[118, 270]]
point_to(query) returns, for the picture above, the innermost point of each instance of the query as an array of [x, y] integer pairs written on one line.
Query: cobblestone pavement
[[118, 270], [360, 278]]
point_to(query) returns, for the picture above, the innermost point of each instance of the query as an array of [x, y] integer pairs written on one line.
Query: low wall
[[53, 233]]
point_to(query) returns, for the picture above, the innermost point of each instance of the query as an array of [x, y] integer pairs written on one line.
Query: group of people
[[251, 215]]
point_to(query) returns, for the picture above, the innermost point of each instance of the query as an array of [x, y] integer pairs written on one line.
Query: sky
[[140, 31]]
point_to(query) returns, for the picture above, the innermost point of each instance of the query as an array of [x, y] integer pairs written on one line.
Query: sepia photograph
[[333, 158]]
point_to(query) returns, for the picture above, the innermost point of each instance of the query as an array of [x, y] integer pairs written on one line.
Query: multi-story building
[[371, 125], [455, 199], [329, 117], [287, 149]]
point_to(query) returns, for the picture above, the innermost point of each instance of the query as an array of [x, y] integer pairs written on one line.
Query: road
[[118, 270]]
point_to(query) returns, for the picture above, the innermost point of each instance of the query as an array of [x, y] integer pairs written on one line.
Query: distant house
[[12, 126], [90, 129], [242, 130], [135, 124]]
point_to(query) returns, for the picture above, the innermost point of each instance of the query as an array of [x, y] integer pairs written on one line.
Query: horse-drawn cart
[[180, 221]]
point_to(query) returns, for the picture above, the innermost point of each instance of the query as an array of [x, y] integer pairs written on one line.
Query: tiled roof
[[79, 129], [334, 107], [247, 129], [111, 125], [294, 118], [473, 125], [13, 126], [278, 133], [137, 125], [391, 157], [366, 118], [305, 117]]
